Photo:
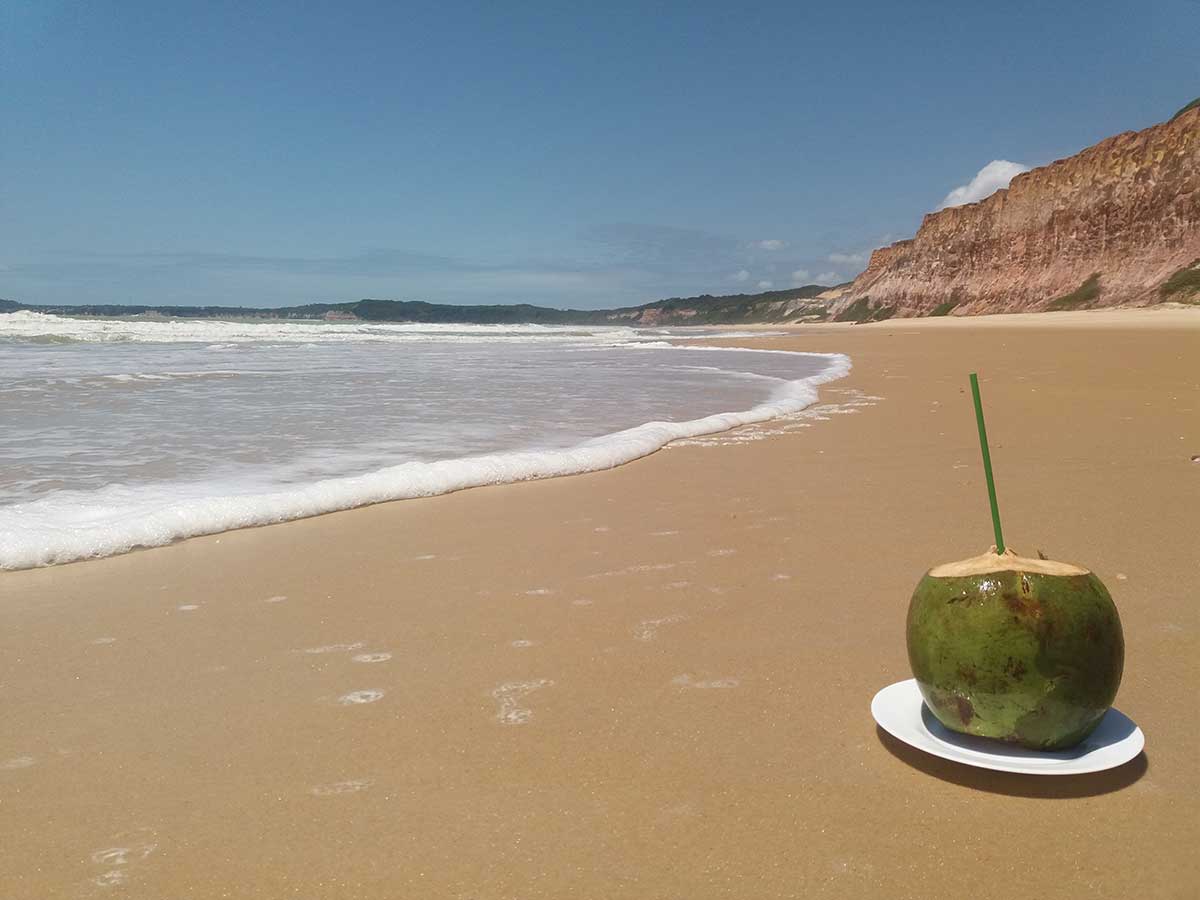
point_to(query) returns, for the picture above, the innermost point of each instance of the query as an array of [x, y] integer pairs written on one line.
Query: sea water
[[116, 434]]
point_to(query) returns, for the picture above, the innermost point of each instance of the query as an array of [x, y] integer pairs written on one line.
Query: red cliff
[[1126, 211]]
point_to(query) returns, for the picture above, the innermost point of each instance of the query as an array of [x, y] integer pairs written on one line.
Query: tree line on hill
[[702, 310]]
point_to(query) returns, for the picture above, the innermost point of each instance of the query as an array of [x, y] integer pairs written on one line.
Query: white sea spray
[[124, 434]]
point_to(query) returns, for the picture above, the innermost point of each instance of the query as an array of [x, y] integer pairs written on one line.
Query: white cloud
[[772, 244], [800, 276], [828, 278], [742, 275], [995, 175], [765, 285], [848, 259]]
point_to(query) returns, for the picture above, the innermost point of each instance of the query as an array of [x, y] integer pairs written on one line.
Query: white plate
[[900, 711]]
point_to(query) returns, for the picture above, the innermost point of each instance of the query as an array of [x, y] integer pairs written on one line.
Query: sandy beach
[[649, 682]]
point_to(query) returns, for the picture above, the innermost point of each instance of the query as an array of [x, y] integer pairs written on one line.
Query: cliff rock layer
[[1109, 226]]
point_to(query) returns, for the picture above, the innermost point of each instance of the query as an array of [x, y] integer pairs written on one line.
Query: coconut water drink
[[1023, 650]]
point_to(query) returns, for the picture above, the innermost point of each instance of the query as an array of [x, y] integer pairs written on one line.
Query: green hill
[[770, 306], [1195, 103]]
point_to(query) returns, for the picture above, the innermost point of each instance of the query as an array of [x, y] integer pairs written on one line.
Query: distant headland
[[808, 303]]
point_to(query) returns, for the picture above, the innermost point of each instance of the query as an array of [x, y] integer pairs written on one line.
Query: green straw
[[987, 462]]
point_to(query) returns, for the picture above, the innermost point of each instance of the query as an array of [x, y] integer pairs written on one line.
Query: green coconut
[[1022, 650]]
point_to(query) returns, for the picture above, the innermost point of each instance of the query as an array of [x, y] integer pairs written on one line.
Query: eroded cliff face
[[1126, 210]]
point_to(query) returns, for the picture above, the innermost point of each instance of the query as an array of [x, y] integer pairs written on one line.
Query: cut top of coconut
[[1007, 561]]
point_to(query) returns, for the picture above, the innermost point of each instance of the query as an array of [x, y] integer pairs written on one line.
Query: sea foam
[[63, 525]]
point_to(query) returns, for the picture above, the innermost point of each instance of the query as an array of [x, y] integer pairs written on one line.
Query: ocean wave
[[38, 327], [72, 525]]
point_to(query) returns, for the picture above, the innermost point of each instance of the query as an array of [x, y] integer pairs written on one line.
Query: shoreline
[[170, 523], [648, 681], [160, 527]]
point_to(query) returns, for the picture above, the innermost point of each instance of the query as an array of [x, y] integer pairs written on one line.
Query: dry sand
[[651, 682]]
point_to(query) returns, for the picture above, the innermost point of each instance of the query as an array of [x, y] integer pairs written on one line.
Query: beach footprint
[[357, 698], [371, 657], [640, 569], [687, 681], [333, 648], [510, 696], [352, 786], [647, 629], [119, 860]]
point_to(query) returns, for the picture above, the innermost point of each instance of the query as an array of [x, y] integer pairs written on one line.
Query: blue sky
[[562, 154]]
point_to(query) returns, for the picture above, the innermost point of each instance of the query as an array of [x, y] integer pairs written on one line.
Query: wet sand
[[650, 682]]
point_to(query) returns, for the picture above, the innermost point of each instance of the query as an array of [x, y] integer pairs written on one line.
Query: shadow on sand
[[1012, 784]]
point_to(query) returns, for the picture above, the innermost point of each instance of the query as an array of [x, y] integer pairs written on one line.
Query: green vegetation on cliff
[[1193, 105], [1185, 282], [861, 311], [1082, 296], [706, 309], [858, 311]]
